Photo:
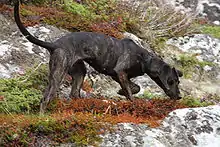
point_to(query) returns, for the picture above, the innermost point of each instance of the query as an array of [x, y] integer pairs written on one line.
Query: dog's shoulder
[[128, 41]]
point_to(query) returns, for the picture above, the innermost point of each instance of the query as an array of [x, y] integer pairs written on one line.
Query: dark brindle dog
[[120, 59]]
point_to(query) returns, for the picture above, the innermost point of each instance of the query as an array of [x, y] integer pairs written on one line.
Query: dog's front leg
[[124, 83], [77, 72]]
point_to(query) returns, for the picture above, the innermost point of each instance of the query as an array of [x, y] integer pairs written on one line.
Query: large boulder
[[191, 127]]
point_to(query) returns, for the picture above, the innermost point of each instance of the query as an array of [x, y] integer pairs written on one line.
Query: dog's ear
[[178, 72], [165, 75]]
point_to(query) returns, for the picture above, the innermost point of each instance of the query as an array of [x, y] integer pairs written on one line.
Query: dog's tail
[[49, 46]]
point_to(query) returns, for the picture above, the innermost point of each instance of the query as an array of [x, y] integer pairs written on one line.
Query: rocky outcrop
[[199, 127]]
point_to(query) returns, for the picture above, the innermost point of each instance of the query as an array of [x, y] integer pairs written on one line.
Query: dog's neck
[[153, 66]]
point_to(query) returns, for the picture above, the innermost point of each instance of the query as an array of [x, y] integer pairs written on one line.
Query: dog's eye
[[170, 82]]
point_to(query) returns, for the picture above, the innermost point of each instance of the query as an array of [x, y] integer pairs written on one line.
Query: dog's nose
[[179, 96]]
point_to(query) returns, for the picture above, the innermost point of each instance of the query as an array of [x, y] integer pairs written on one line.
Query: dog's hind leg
[[58, 66], [77, 72]]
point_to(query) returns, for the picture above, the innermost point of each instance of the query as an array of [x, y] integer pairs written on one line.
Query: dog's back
[[98, 50]]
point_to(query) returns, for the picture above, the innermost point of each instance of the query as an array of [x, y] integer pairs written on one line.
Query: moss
[[214, 31]]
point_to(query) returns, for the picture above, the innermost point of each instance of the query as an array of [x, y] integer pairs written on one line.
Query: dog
[[119, 59]]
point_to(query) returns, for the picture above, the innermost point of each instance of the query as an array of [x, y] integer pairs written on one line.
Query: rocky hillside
[[189, 42]]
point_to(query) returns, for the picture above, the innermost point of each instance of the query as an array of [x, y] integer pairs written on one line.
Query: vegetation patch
[[195, 102], [188, 63], [214, 31], [96, 16], [149, 95], [24, 130]]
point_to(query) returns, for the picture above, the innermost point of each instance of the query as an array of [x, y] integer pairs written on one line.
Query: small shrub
[[38, 77], [107, 28], [23, 93], [77, 8], [156, 24]]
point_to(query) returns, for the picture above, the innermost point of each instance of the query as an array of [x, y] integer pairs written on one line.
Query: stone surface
[[205, 47], [17, 53], [191, 127], [205, 81], [209, 9]]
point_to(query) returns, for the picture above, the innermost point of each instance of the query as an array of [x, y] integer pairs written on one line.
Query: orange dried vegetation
[[107, 28], [138, 111]]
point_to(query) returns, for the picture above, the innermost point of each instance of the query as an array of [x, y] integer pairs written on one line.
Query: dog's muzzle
[[175, 96]]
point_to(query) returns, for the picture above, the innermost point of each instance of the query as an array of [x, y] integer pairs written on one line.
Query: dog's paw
[[121, 92]]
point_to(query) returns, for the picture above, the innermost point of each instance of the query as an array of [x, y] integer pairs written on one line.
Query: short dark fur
[[120, 59]]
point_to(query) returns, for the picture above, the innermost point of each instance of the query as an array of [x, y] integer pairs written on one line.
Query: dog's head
[[164, 75]]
